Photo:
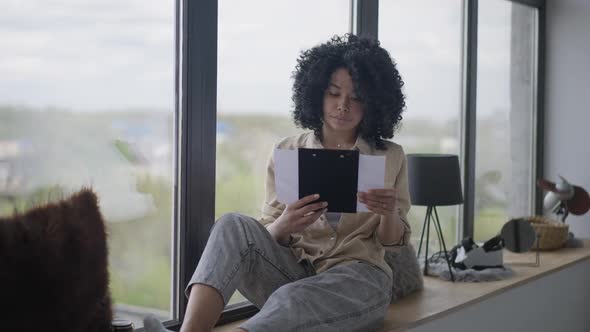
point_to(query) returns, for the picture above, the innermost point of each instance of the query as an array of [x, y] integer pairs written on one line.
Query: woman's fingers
[[379, 208], [378, 195], [310, 219], [377, 200], [374, 199], [304, 201], [381, 201], [389, 192], [304, 211]]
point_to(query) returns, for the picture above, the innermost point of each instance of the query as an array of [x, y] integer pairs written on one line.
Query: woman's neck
[[338, 140]]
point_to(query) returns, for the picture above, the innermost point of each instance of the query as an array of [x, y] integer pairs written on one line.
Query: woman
[[308, 270]]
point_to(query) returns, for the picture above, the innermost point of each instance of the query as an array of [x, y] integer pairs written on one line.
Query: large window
[[506, 109], [256, 55], [434, 47], [87, 99], [90, 93], [428, 53]]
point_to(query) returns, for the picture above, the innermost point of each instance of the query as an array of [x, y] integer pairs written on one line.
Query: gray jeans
[[242, 255]]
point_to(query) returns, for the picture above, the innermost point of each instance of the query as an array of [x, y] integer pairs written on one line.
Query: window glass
[[259, 43], [424, 39], [87, 99], [505, 115]]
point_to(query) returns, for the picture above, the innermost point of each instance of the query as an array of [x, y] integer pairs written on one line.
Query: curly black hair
[[377, 84]]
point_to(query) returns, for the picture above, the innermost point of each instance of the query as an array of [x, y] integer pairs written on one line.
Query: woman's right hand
[[296, 217]]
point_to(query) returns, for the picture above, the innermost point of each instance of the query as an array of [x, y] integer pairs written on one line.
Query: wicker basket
[[552, 234]]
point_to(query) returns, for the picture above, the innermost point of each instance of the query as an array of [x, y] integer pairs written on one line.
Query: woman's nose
[[344, 104]]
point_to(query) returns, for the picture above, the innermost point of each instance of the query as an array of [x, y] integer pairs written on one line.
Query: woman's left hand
[[380, 201]]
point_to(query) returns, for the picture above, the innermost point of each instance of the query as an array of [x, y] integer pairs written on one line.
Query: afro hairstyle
[[377, 84]]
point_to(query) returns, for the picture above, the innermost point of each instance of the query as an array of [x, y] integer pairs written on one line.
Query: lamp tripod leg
[[442, 241], [428, 217], [422, 235], [440, 238]]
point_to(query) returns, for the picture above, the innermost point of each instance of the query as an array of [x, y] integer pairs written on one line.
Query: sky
[[87, 54], [107, 55]]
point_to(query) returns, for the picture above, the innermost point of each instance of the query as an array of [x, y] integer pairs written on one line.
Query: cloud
[[108, 54], [87, 55]]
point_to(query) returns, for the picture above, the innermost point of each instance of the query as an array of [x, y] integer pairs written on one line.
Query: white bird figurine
[[564, 191], [563, 198]]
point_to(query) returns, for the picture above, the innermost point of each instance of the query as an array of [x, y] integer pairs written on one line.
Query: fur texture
[[53, 268], [441, 269], [407, 277]]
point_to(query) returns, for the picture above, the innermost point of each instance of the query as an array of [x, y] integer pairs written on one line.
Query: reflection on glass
[[86, 99], [505, 115], [257, 53], [425, 41]]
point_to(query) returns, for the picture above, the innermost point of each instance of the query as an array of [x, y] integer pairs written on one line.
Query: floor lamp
[[434, 180]]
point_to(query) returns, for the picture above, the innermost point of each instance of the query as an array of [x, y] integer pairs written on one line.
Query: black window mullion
[[198, 89], [199, 95], [530, 3], [540, 111], [469, 114], [367, 23]]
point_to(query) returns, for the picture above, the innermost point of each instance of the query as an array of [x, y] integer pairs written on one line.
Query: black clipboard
[[331, 173]]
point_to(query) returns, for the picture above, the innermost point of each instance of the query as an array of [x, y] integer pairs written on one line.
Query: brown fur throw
[[53, 268]]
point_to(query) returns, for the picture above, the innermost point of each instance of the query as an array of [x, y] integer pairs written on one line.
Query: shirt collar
[[361, 145]]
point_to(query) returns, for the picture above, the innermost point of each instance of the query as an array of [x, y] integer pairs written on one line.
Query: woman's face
[[342, 109]]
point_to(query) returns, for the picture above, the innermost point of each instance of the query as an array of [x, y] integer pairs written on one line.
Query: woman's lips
[[340, 119]]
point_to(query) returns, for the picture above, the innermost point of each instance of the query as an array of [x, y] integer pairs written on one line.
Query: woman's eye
[[332, 93]]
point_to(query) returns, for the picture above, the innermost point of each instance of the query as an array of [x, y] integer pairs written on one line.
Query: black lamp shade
[[434, 179]]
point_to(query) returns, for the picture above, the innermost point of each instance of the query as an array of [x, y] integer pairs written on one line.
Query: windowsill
[[440, 298]]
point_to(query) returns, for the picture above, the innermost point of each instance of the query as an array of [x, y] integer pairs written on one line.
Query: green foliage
[[37, 197], [150, 289], [125, 150], [239, 193], [140, 260], [12, 121], [448, 221], [488, 223], [241, 161], [140, 249]]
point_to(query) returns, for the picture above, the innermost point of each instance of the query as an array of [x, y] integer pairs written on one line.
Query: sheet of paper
[[371, 175], [286, 175]]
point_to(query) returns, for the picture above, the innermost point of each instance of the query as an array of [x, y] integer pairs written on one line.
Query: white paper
[[371, 175], [286, 175]]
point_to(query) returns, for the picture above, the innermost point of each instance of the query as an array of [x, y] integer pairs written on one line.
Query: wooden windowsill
[[440, 298]]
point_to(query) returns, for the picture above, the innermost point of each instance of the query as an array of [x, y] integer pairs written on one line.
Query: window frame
[[196, 111], [367, 23], [469, 110]]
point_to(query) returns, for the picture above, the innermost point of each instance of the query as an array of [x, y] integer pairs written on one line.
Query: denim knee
[[232, 219], [234, 224], [228, 219]]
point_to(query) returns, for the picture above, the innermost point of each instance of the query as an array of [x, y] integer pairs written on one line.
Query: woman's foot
[[152, 324]]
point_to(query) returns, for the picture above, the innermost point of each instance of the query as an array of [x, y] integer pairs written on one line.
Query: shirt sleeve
[[271, 208], [402, 203]]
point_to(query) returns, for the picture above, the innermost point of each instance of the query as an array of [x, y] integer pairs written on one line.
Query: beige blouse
[[355, 238]]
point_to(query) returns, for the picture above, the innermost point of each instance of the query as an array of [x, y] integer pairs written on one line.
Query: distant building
[[11, 182], [223, 131]]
